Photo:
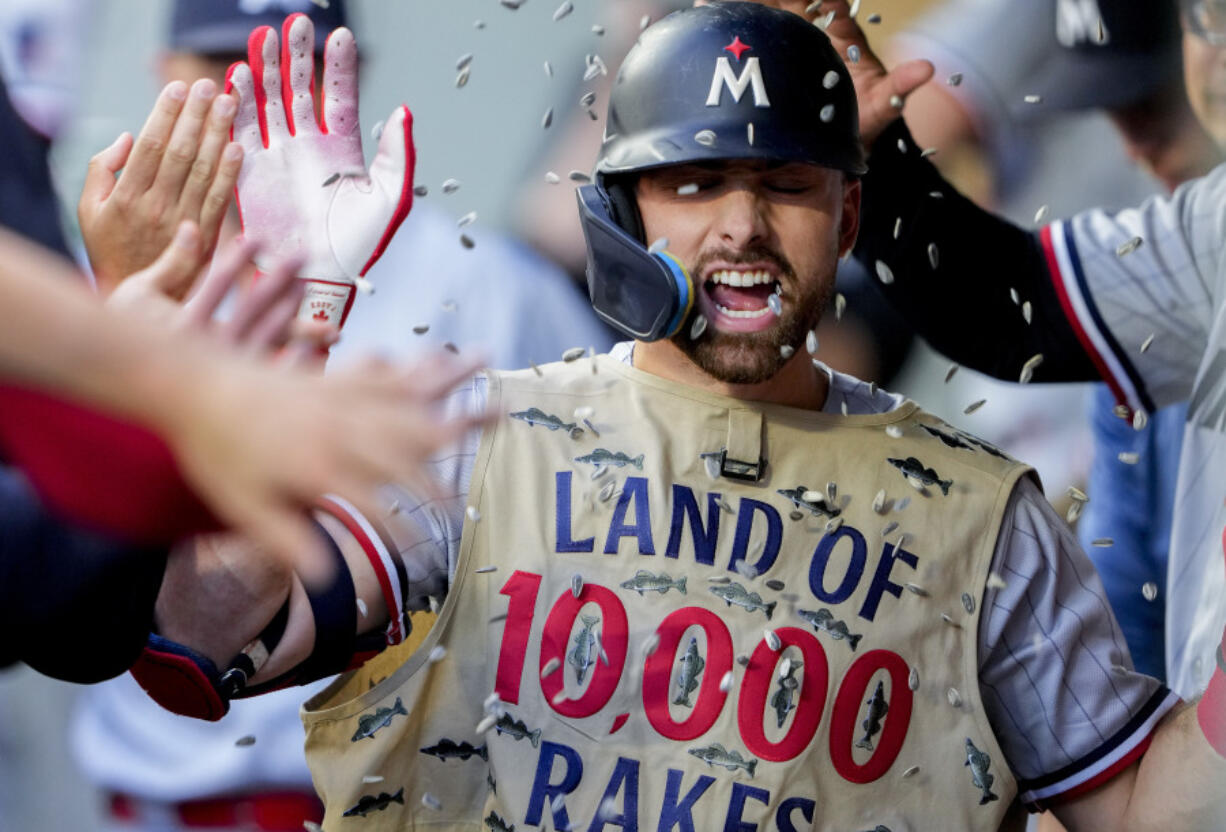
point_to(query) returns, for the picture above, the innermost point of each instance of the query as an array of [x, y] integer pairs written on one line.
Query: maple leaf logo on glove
[[304, 189]]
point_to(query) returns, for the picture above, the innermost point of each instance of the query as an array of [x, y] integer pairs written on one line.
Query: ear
[[849, 221]]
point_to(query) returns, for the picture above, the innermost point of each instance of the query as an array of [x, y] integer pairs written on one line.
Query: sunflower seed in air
[[840, 306], [772, 640], [1013, 295], [811, 342], [1128, 457], [726, 681], [563, 10], [893, 431], [1077, 494], [954, 80], [437, 654], [826, 114], [902, 146], [1029, 367], [371, 779], [659, 245], [698, 327], [312, 826], [817, 4], [1074, 511], [606, 492], [472, 513], [467, 219], [934, 257], [1128, 247], [1145, 345], [573, 354], [796, 516], [420, 190], [953, 368], [512, 4], [916, 589], [430, 801], [843, 406], [853, 54], [749, 133], [644, 22], [913, 679], [651, 643], [896, 102], [879, 502], [1033, 99], [576, 584], [706, 138], [551, 667], [973, 406], [245, 741], [830, 79], [331, 179], [747, 570], [578, 176], [775, 305], [1040, 215], [724, 507], [1103, 542], [903, 503], [854, 10], [968, 603], [597, 29], [948, 619], [487, 722], [361, 607], [911, 771], [955, 698], [775, 584], [884, 274], [547, 119], [1121, 411], [461, 79], [787, 351], [1027, 311], [996, 581], [1149, 590], [897, 227], [451, 186], [718, 579]]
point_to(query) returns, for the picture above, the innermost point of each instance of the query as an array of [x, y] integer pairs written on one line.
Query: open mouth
[[739, 300]]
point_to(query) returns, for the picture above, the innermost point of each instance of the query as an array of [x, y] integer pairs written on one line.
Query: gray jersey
[[1055, 674], [1152, 315]]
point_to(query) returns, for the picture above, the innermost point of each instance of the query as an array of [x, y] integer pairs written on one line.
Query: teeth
[[739, 278], [743, 313]]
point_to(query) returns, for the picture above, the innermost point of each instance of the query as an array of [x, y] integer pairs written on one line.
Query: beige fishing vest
[[679, 651]]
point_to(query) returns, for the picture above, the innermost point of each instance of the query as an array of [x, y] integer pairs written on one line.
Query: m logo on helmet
[[751, 76]]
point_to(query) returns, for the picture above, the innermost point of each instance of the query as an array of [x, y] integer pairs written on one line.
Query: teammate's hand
[[875, 86], [304, 189], [181, 167]]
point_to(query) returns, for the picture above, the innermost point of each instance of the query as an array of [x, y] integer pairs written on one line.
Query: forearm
[[1180, 782], [963, 307]]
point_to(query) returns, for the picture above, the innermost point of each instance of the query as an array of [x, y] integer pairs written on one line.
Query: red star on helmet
[[737, 48]]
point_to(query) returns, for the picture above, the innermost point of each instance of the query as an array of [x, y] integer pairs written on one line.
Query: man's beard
[[754, 357]]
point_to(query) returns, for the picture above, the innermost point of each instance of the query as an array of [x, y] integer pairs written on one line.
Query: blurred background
[[80, 72]]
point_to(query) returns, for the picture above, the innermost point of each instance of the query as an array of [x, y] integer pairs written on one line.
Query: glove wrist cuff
[[327, 301]]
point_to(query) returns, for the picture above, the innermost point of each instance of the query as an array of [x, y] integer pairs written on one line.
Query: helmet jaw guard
[[646, 295], [713, 83]]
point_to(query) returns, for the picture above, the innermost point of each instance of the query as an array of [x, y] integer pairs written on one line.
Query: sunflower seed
[[973, 406], [644, 22], [606, 492], [361, 607], [451, 186], [595, 66], [746, 570], [420, 190], [1103, 542], [954, 80], [917, 590], [578, 176], [487, 722], [811, 342], [893, 431], [1033, 99], [1128, 247], [370, 779], [933, 256], [1149, 590], [813, 7], [597, 29], [879, 502], [968, 603], [897, 227], [651, 643], [883, 273], [913, 679], [659, 245], [749, 133], [840, 306], [573, 354], [576, 584], [1121, 411], [331, 179], [955, 698], [312, 826], [245, 741], [461, 79], [437, 654], [547, 119], [830, 79], [1147, 343], [772, 640], [834, 524], [726, 681], [1074, 512], [903, 503], [724, 507], [430, 801], [996, 581], [536, 369], [787, 351], [826, 114], [953, 368], [910, 772], [698, 327], [896, 102], [775, 584], [775, 304], [902, 146], [855, 8], [1029, 367], [563, 10], [1077, 494], [467, 219], [718, 579], [472, 513], [1129, 457], [706, 138], [853, 54], [843, 406], [485, 570], [1040, 215]]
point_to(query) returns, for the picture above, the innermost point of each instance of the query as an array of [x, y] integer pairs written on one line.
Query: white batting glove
[[304, 190]]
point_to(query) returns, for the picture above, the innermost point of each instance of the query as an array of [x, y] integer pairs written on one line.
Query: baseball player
[[1135, 298], [702, 581]]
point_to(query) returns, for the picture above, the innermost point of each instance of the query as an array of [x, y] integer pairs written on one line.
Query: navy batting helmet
[[726, 81]]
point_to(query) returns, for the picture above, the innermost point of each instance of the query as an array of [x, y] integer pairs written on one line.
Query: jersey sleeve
[[414, 546], [1055, 674], [1141, 287]]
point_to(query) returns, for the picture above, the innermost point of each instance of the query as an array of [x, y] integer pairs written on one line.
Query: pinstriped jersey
[[1145, 290], [673, 648]]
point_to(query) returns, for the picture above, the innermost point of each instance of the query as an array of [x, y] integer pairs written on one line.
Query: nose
[[742, 218]]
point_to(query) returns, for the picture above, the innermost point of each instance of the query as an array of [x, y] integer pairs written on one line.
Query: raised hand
[[182, 166], [304, 189]]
